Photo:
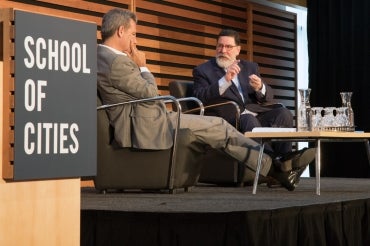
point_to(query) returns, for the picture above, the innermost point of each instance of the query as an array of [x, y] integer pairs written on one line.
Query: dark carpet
[[209, 198]]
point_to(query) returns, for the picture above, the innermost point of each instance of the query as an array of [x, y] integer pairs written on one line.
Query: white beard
[[223, 63]]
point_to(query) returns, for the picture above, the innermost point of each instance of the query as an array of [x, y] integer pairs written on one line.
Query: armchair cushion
[[127, 168]]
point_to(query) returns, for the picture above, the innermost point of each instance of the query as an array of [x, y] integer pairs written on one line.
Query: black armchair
[[126, 168], [218, 168]]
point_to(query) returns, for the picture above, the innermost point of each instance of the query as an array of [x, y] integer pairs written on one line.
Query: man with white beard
[[225, 77]]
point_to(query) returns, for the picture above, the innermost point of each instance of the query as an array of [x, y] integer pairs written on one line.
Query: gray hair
[[115, 18]]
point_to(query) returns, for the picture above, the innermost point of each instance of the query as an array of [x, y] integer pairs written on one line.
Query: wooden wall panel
[[7, 90], [178, 35], [274, 49], [182, 34]]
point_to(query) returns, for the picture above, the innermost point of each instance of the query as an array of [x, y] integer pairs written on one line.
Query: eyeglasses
[[228, 47]]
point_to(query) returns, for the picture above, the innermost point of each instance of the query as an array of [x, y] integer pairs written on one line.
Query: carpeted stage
[[209, 215]]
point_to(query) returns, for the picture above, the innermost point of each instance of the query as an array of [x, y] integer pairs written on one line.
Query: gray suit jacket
[[141, 125]]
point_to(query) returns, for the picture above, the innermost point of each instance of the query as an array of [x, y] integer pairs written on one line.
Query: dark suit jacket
[[206, 77]]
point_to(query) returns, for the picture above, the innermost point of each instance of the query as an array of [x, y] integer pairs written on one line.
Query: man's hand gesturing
[[232, 71]]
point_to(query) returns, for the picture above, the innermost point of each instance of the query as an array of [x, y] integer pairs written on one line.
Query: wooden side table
[[309, 136]]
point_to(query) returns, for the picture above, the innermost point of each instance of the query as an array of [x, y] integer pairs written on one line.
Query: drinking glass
[[316, 118], [328, 118], [342, 118]]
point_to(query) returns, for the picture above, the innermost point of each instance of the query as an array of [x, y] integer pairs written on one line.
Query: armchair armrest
[[237, 109], [184, 89], [200, 107], [157, 98]]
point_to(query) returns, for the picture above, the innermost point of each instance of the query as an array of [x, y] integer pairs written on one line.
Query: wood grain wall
[[274, 49], [178, 35]]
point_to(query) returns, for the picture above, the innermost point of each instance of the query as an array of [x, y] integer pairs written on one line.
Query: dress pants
[[278, 117], [219, 134]]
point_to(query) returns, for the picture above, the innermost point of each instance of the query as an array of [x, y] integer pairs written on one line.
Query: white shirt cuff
[[144, 69], [223, 85], [263, 90]]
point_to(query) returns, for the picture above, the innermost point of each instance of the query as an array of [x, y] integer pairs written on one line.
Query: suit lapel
[[218, 71]]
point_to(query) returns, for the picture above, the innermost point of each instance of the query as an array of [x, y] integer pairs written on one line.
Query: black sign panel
[[55, 97]]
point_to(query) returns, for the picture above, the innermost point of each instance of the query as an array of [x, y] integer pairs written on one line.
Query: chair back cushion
[[180, 89]]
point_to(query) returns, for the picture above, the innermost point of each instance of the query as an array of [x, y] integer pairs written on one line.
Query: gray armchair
[[127, 169], [218, 168]]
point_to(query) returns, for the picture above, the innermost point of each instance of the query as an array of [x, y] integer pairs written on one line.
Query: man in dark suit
[[123, 76], [226, 78]]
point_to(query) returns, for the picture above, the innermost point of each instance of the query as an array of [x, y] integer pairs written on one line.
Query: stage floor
[[209, 198], [228, 216]]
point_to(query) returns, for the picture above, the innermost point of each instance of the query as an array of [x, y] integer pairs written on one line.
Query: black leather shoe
[[289, 179], [298, 161]]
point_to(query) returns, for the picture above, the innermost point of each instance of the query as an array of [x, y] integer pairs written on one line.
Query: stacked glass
[[325, 118], [331, 119]]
